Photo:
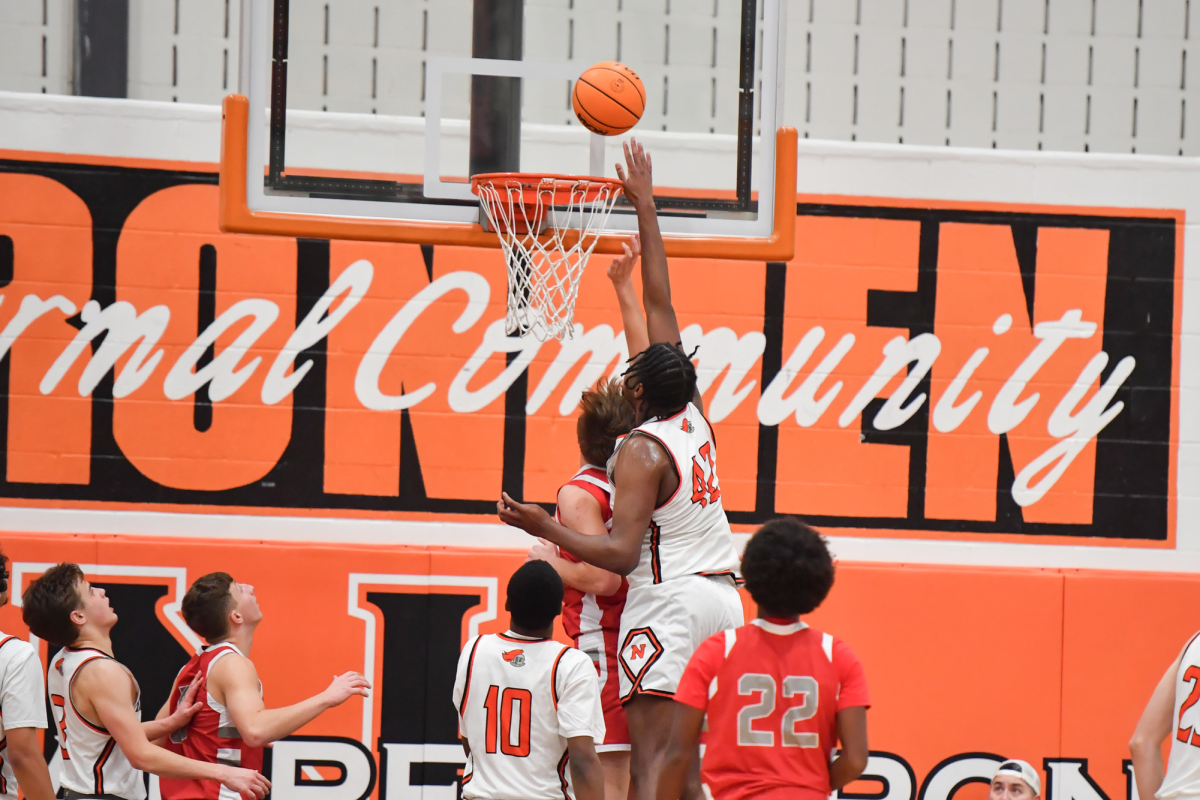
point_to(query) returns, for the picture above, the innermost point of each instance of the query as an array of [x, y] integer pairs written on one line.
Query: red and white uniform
[[92, 761], [211, 735], [772, 693], [22, 701], [594, 623], [683, 589], [519, 700], [1183, 764]]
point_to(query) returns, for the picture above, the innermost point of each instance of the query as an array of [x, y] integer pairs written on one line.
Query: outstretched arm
[[579, 511], [636, 178], [105, 689], [641, 464], [620, 272], [235, 681]]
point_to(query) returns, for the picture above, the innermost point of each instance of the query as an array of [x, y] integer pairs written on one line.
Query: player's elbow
[[856, 763], [1141, 744], [138, 755], [627, 563], [607, 586], [254, 738]]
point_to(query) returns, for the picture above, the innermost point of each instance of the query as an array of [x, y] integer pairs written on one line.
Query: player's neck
[[542, 633], [777, 618], [242, 638], [90, 639]]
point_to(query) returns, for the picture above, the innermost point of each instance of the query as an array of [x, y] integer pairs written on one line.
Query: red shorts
[[601, 647]]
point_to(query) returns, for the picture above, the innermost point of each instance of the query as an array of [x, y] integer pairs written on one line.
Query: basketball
[[609, 98]]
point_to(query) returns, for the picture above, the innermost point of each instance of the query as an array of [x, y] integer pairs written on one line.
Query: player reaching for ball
[[594, 597], [669, 531], [778, 694]]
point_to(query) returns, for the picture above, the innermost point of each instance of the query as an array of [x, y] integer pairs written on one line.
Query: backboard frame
[[352, 208]]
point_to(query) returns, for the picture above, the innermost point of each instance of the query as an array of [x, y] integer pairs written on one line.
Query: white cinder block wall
[[1098, 75]]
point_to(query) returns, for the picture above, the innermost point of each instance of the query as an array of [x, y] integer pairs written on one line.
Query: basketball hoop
[[548, 226]]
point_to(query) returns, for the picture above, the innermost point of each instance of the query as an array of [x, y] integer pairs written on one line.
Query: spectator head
[[1015, 780]]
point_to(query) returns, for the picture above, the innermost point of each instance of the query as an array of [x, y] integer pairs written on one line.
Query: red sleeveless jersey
[[772, 693], [584, 612], [211, 735]]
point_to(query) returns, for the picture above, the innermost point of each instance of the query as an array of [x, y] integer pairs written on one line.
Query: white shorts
[[664, 623]]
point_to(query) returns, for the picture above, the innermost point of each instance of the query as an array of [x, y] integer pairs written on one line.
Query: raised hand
[[247, 783], [620, 271], [529, 517], [636, 175], [188, 706], [345, 686]]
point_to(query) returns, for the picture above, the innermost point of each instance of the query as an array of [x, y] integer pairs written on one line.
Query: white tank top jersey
[[519, 700], [689, 534], [22, 701], [92, 763], [1183, 765]]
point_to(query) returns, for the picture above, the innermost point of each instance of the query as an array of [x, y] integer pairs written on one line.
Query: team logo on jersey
[[515, 657], [639, 651], [58, 665], [687, 426]]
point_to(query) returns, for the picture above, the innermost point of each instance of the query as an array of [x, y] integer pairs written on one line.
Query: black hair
[[787, 567], [3, 573], [535, 595], [667, 375]]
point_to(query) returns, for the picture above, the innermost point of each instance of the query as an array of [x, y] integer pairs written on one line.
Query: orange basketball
[[609, 98]]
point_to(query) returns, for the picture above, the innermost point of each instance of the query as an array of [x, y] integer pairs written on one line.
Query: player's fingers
[[627, 249]]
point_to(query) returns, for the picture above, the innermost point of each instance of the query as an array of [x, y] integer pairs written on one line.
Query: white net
[[548, 227]]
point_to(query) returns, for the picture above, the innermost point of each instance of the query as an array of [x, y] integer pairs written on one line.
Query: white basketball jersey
[[518, 701], [92, 762], [689, 534], [22, 701], [1183, 765]]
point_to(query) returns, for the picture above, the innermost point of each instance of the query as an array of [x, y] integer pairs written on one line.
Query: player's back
[[1182, 777], [689, 534], [772, 693], [519, 700]]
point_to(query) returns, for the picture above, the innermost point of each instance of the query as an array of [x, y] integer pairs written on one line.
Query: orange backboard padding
[[236, 217]]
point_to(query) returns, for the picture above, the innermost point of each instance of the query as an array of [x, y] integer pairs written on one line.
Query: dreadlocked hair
[[604, 416], [667, 376]]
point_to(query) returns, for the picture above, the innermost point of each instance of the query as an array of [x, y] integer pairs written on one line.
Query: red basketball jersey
[[584, 612], [772, 693], [211, 735]]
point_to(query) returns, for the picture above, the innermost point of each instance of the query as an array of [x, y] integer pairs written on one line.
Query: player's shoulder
[[570, 658], [14, 649]]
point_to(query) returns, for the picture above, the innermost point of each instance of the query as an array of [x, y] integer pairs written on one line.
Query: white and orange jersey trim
[[92, 762]]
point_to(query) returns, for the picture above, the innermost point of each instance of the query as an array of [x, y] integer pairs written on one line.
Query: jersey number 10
[[502, 706], [756, 682]]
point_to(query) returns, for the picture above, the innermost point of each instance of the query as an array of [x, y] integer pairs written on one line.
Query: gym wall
[[1016, 573]]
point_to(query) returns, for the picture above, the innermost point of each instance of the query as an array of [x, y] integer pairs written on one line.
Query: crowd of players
[[641, 552]]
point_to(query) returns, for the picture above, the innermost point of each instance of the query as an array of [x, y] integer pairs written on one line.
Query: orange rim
[[565, 188]]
